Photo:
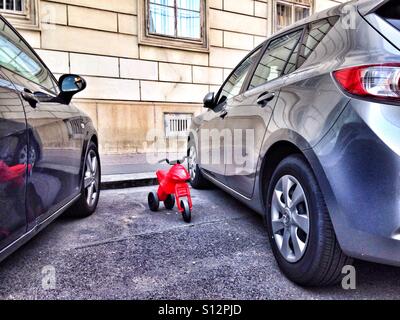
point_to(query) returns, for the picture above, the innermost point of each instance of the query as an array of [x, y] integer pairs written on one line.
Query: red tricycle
[[173, 188], [14, 174]]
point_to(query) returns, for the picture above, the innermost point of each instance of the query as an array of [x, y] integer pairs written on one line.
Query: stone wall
[[131, 85]]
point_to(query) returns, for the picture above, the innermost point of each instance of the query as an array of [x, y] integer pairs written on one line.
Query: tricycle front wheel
[[154, 203], [187, 214]]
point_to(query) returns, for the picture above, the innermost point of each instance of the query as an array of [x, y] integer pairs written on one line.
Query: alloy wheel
[[192, 162], [290, 218], [27, 157], [91, 178]]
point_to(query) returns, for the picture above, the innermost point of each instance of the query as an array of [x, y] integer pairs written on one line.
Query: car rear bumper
[[360, 159]]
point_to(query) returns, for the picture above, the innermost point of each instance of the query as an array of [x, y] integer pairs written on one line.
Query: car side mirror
[[70, 85], [209, 101]]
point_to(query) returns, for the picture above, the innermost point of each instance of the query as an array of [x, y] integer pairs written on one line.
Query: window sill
[[174, 44], [21, 22]]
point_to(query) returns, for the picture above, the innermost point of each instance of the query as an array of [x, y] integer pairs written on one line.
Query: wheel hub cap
[[287, 216], [290, 218]]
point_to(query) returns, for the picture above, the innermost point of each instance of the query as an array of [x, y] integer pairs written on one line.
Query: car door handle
[[223, 114], [29, 97], [265, 97]]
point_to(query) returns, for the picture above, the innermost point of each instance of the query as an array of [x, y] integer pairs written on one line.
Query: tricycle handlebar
[[174, 162]]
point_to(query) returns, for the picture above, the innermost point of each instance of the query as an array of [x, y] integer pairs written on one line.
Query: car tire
[[295, 205], [86, 205], [197, 179], [27, 155]]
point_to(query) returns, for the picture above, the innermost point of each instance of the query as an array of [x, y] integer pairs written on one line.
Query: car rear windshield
[[390, 11]]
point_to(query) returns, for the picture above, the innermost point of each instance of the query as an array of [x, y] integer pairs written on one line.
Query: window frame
[[259, 47], [264, 47], [26, 19], [293, 5], [307, 30], [147, 38], [306, 27], [176, 37], [21, 12], [267, 43], [54, 92], [177, 134]]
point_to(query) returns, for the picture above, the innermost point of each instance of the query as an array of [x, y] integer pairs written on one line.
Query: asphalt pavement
[[124, 251]]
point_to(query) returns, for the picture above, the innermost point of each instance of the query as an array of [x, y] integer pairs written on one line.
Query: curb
[[124, 181]]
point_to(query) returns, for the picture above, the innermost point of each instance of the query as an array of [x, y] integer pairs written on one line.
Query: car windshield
[[16, 56]]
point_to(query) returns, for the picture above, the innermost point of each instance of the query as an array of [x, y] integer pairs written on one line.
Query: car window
[[16, 56], [235, 82], [313, 37], [274, 60], [292, 62]]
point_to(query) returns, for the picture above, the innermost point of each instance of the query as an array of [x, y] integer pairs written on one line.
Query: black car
[[49, 160]]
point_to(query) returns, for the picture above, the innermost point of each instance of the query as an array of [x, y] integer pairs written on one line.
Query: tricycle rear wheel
[[169, 203], [154, 203]]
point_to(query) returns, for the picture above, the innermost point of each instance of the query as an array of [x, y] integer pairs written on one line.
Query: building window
[[177, 124], [175, 18], [289, 12], [12, 5], [23, 14], [174, 23]]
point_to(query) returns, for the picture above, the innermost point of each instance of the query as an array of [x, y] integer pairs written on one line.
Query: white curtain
[[162, 17], [187, 19]]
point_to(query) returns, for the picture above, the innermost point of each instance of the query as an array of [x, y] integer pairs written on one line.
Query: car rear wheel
[[90, 190], [197, 180], [301, 233], [28, 155]]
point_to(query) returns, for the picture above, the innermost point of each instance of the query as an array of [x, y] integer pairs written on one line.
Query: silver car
[[306, 131]]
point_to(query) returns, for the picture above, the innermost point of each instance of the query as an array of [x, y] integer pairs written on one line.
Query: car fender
[[299, 142]]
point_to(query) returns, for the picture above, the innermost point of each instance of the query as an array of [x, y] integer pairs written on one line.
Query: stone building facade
[[148, 63]]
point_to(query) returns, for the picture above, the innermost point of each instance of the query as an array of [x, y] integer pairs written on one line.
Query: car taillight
[[375, 81]]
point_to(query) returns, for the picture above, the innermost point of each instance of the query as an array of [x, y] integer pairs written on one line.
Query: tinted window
[[391, 13], [292, 62], [275, 58], [235, 82], [17, 57], [315, 34]]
